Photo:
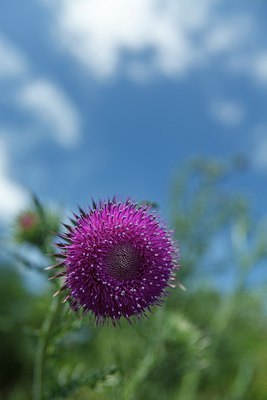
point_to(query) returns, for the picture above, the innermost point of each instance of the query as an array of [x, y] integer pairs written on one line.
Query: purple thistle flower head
[[118, 260]]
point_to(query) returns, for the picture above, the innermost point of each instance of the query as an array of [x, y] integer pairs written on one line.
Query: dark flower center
[[123, 261]]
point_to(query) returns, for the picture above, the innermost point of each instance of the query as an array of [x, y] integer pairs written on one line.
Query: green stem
[[41, 350], [148, 360]]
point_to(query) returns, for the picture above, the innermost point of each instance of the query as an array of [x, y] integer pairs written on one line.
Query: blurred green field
[[205, 343]]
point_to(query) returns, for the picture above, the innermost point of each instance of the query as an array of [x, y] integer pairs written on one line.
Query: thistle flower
[[118, 260], [28, 220], [33, 227]]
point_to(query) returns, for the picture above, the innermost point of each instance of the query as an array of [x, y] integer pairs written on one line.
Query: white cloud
[[50, 106], [98, 32], [180, 35], [13, 63], [228, 112], [13, 197]]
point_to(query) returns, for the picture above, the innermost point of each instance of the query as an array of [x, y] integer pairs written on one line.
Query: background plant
[[207, 342]]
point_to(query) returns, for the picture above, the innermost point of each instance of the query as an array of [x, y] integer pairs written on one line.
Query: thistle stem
[[39, 364]]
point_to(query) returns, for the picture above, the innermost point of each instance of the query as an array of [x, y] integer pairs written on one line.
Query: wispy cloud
[[51, 111], [253, 64], [226, 35], [49, 105], [13, 197], [259, 149], [227, 112], [260, 67], [13, 64]]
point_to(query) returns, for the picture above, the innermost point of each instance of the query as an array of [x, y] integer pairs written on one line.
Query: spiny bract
[[118, 260]]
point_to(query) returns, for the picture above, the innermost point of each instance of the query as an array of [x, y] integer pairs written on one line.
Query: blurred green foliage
[[208, 342]]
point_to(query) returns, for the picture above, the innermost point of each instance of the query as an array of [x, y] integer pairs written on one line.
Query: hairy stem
[[41, 350]]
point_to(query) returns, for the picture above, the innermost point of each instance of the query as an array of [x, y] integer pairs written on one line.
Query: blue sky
[[103, 97]]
